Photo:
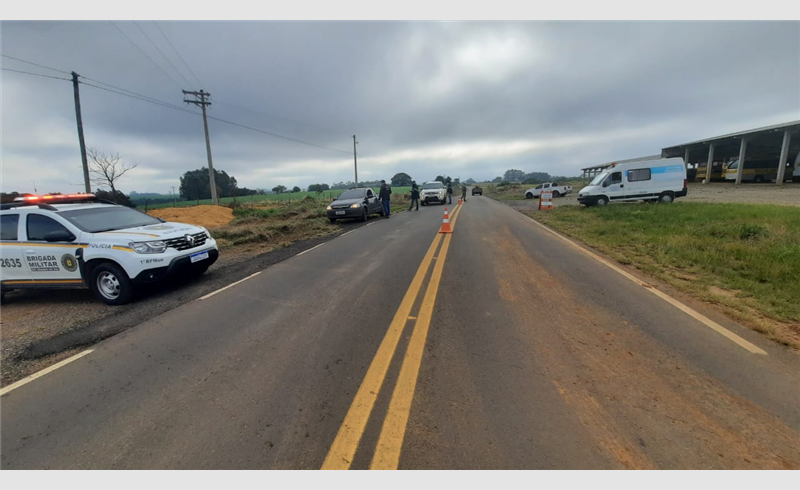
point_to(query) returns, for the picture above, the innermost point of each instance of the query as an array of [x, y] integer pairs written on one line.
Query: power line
[[179, 55], [162, 53], [126, 90], [151, 100], [35, 64], [278, 135], [36, 74], [280, 117], [148, 57], [178, 108]]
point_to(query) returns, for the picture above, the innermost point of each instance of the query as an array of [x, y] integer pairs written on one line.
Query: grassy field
[[267, 198], [274, 223], [743, 256]]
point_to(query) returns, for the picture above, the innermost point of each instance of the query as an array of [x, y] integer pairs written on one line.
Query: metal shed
[[778, 142]]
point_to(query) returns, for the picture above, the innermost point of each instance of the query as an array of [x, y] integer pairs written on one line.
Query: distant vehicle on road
[[75, 241], [433, 192], [357, 203], [659, 180], [477, 190], [558, 190]]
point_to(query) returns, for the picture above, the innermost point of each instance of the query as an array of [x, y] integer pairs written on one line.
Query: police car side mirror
[[162, 220], [59, 236]]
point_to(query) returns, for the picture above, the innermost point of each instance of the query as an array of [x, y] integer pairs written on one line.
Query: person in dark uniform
[[464, 192], [449, 193], [384, 196], [414, 195]]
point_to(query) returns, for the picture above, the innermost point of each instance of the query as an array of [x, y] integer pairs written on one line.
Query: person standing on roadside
[[414, 195], [464, 192], [384, 195], [449, 193]]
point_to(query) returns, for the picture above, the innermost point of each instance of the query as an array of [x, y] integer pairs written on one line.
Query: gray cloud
[[464, 99]]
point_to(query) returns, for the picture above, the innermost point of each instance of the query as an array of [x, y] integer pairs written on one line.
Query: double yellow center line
[[387, 452]]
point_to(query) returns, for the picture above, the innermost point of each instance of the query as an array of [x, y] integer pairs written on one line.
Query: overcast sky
[[459, 99]]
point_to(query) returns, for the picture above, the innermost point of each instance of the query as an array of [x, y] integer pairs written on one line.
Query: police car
[[77, 241]]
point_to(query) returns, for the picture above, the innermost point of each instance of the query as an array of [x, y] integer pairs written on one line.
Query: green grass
[[267, 198], [745, 256]]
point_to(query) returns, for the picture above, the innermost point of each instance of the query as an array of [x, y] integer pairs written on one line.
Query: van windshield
[[733, 165], [599, 179]]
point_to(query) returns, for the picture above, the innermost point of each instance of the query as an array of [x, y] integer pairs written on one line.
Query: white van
[[659, 180]]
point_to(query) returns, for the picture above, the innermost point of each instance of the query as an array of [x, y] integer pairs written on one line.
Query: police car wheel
[[111, 284]]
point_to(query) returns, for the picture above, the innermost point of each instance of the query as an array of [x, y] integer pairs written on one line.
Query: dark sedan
[[355, 203]]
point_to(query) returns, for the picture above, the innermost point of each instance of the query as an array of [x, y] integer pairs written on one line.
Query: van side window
[[615, 178], [9, 223], [638, 175], [39, 226]]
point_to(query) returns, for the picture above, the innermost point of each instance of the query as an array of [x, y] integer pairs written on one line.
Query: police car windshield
[[352, 194], [433, 185], [94, 220]]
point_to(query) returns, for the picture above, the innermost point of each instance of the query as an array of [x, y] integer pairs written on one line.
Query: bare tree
[[107, 169]]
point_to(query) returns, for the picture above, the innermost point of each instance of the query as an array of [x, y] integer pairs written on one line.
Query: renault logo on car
[[189, 240]]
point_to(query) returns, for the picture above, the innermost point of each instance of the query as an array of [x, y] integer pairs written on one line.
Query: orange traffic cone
[[446, 223], [459, 201]]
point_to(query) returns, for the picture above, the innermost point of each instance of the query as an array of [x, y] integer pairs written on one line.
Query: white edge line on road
[[228, 286], [669, 299], [44, 371], [310, 249], [346, 233]]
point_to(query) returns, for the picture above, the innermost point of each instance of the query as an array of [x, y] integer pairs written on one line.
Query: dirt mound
[[204, 215]]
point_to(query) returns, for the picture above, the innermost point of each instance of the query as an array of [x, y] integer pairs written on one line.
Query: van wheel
[[665, 198], [759, 179], [529, 195], [111, 284], [333, 220], [556, 194], [601, 201]]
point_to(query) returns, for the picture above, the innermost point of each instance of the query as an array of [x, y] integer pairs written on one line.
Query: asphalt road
[[498, 346]]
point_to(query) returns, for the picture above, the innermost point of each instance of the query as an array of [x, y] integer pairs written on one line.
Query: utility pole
[[203, 103], [173, 195], [355, 158], [86, 184]]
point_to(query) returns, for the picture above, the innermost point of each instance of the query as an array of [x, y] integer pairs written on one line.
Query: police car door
[[11, 260], [50, 251]]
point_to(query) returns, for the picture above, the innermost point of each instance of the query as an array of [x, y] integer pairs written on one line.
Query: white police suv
[[76, 241]]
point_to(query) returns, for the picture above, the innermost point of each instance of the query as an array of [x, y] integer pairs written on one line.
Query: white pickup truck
[[558, 190]]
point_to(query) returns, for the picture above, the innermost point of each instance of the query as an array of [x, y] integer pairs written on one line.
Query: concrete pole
[[710, 161], [87, 186], [686, 158], [787, 138], [742, 152]]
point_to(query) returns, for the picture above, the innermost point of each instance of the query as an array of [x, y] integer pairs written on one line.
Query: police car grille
[[180, 243]]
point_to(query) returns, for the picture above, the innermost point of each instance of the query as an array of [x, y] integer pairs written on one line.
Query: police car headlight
[[155, 247], [355, 206], [329, 207]]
